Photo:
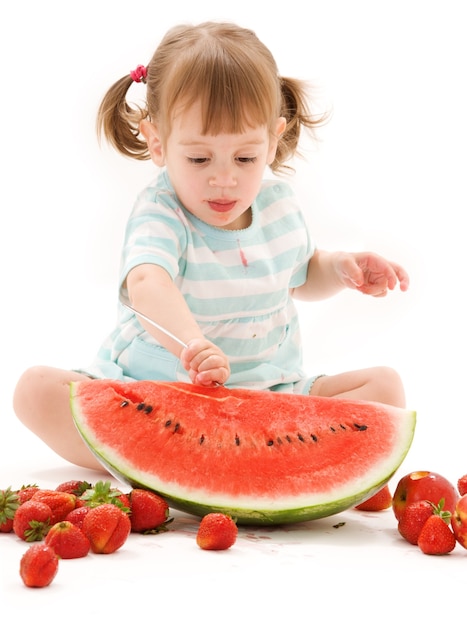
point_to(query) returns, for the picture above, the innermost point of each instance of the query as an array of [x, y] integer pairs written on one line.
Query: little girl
[[213, 253]]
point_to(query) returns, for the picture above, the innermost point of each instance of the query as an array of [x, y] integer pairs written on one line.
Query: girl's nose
[[223, 178]]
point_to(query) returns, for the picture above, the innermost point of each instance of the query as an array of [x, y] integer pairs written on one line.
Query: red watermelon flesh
[[261, 456]]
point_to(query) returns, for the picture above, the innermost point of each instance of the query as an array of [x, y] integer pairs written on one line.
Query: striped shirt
[[236, 283]]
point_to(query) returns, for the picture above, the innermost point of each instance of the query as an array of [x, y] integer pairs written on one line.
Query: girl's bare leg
[[42, 403], [378, 384]]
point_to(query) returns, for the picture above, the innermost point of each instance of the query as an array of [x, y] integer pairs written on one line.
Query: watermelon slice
[[263, 457]]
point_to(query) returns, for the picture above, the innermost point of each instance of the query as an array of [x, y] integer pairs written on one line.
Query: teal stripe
[[259, 268], [236, 307]]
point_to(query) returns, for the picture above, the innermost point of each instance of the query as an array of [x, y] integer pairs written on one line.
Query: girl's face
[[216, 177]]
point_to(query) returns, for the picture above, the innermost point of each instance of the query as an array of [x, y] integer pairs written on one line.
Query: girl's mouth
[[221, 206]]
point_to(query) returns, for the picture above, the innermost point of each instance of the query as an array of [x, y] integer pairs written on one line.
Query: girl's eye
[[246, 159], [198, 160]]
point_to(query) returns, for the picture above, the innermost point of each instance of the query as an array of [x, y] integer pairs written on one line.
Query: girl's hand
[[371, 274], [205, 363]]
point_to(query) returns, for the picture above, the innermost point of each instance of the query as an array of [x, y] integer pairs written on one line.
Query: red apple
[[462, 485], [459, 521], [424, 486]]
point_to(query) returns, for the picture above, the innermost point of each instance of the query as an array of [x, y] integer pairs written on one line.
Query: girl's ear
[[151, 134], [280, 127]]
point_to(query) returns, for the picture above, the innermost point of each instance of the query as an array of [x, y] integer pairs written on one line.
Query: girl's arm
[[367, 272], [152, 291]]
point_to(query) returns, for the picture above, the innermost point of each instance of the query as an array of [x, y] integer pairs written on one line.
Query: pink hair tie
[[139, 74]]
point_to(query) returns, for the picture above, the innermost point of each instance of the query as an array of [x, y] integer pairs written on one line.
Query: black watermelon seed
[[288, 439], [124, 403], [177, 426], [148, 409], [140, 406], [360, 426], [314, 437], [270, 442], [237, 440], [279, 440], [342, 426], [332, 428], [300, 437], [201, 439], [168, 423]]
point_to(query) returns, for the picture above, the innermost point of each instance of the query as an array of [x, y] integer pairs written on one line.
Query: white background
[[389, 174]]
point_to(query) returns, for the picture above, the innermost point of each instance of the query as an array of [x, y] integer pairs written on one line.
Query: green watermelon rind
[[258, 515]]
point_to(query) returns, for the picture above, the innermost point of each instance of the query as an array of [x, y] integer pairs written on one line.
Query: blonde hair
[[229, 70]]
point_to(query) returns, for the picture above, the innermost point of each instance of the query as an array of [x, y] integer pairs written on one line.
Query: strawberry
[[7, 526], [104, 493], [436, 536], [9, 502], [26, 492], [77, 516], [149, 511], [381, 500], [76, 487], [413, 519], [32, 520], [462, 485], [38, 566], [68, 541], [217, 531], [107, 527], [60, 502]]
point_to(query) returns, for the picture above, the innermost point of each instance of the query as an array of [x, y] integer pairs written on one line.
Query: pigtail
[[296, 110], [119, 123]]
